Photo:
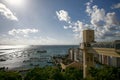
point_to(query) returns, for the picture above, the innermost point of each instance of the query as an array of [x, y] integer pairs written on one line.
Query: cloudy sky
[[50, 22]]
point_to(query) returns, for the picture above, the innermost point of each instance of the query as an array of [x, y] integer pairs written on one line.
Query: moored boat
[[42, 51]]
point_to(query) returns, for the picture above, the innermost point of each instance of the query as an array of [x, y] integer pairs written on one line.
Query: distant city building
[[75, 54], [91, 53], [108, 60], [110, 54]]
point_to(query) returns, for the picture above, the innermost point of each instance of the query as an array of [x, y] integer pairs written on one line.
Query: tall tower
[[88, 36], [88, 60]]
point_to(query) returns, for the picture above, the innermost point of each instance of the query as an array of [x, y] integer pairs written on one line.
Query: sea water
[[26, 57]]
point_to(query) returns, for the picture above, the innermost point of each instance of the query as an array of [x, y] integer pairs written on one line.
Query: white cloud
[[111, 19], [88, 8], [91, 1], [7, 12], [77, 27], [22, 32], [106, 25], [116, 6], [63, 15], [97, 15], [66, 27], [35, 40]]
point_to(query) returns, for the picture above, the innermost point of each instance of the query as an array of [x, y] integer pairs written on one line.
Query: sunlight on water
[[12, 46], [24, 56], [11, 56]]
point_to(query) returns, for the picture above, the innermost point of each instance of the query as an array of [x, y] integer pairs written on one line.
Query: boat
[[42, 51], [31, 64], [25, 61], [50, 61], [2, 59]]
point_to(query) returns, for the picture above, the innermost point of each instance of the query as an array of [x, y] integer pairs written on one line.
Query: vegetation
[[50, 73], [104, 73], [73, 74], [45, 73], [55, 73], [10, 75]]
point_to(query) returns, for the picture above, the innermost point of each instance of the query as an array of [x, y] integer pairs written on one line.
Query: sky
[[57, 22]]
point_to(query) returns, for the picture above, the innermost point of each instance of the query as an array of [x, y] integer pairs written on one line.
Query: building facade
[[75, 54]]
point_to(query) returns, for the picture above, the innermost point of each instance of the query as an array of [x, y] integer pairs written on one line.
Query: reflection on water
[[7, 47], [18, 56], [12, 56]]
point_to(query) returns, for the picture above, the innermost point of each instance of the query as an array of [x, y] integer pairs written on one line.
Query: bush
[[105, 73], [45, 73], [10, 75], [73, 74], [52, 73]]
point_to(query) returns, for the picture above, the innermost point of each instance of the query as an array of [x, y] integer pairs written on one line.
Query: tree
[[46, 73], [73, 74], [105, 73], [10, 75], [36, 74]]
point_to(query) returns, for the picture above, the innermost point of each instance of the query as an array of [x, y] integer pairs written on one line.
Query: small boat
[[42, 51], [31, 64], [2, 59], [36, 65], [49, 61], [25, 61]]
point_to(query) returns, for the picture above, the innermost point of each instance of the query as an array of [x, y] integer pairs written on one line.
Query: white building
[[75, 54]]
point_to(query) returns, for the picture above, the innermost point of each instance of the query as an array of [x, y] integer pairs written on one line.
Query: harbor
[[32, 56]]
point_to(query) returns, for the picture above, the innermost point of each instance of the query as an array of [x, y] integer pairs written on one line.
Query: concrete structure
[[75, 54], [71, 54], [87, 55], [73, 64], [105, 54], [88, 60], [75, 58], [108, 60], [88, 36]]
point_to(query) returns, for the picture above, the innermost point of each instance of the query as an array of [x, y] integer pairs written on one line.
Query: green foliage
[[105, 73], [10, 75], [45, 73], [73, 74], [52, 73], [36, 74]]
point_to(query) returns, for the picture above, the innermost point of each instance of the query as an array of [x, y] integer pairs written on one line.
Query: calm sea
[[25, 57]]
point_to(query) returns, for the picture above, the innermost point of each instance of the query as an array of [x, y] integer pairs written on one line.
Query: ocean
[[26, 57]]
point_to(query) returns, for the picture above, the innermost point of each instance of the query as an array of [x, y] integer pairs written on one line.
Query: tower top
[[88, 36]]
